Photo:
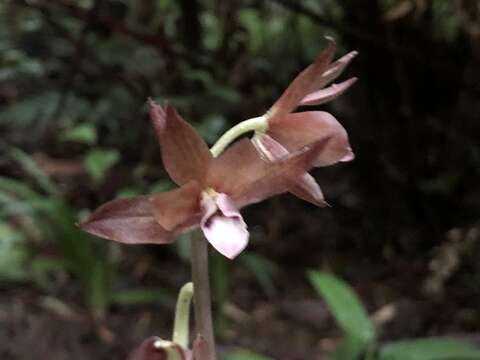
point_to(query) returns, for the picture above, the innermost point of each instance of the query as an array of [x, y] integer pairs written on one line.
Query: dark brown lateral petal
[[328, 94], [185, 155], [175, 207], [129, 221], [303, 84], [277, 176], [296, 130]]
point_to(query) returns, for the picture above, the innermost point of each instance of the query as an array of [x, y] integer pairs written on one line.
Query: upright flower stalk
[[214, 184], [202, 301]]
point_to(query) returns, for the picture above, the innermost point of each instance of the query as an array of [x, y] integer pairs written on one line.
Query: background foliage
[[403, 230]]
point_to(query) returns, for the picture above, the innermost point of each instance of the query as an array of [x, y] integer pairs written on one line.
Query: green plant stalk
[[182, 316], [199, 257], [253, 124], [201, 286]]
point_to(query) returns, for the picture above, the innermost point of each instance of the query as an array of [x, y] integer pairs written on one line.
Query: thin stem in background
[[201, 291]]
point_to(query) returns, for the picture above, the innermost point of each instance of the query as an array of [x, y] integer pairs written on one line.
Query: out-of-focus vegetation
[[360, 337], [74, 78]]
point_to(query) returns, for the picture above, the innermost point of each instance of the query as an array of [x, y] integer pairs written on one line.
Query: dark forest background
[[403, 228]]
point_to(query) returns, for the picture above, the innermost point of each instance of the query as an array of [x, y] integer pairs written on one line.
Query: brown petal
[[304, 186], [276, 177], [173, 208], [240, 164], [128, 221], [303, 84], [335, 69], [328, 94], [185, 155], [296, 130]]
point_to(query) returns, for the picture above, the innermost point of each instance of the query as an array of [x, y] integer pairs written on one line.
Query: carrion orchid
[[211, 189]]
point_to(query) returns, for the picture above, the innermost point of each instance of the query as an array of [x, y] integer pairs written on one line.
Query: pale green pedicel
[[257, 124]]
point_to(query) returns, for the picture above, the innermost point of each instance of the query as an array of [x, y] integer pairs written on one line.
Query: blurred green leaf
[[99, 161], [244, 355], [430, 349], [13, 254], [98, 292], [83, 133], [141, 296], [41, 269], [351, 348], [263, 270], [32, 169], [182, 246], [18, 188], [345, 306]]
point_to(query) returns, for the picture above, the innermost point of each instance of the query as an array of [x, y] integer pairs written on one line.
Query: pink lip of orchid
[[211, 190], [287, 131]]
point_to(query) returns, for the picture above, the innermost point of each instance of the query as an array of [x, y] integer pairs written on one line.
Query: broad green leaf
[[83, 133], [345, 306], [99, 161], [430, 349]]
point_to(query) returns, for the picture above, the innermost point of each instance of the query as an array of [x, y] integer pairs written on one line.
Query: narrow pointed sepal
[[336, 68], [328, 94], [305, 83], [185, 154]]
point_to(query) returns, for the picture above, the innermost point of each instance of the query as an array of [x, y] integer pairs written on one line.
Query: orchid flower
[[286, 131], [211, 189], [281, 131]]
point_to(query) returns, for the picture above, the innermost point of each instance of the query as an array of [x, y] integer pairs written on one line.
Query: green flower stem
[[201, 297], [182, 315], [201, 283], [254, 124]]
